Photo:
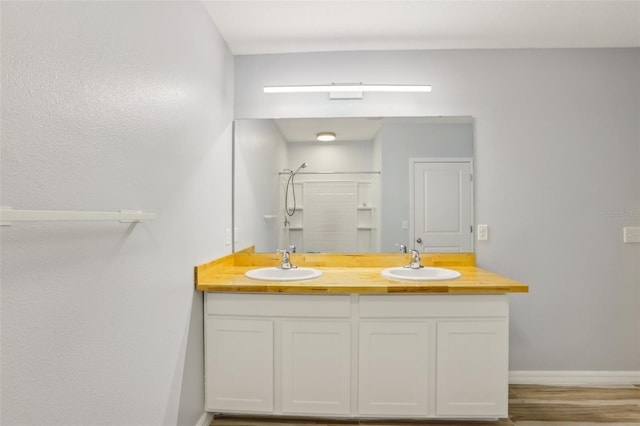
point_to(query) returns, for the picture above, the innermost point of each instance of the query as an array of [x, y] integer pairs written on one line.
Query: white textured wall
[[557, 137], [108, 106]]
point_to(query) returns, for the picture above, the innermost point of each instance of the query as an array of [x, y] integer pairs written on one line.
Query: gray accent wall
[[557, 148]]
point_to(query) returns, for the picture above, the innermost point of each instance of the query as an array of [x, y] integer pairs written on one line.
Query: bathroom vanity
[[352, 344]]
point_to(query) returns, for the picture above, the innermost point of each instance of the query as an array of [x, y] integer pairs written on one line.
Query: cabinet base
[[274, 418], [427, 357]]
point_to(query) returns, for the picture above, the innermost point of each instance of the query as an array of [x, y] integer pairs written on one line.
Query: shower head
[[302, 166]]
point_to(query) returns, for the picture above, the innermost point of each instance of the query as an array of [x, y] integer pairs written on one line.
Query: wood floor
[[528, 406]]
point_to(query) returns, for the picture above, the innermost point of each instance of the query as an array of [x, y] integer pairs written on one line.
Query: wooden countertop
[[349, 273]]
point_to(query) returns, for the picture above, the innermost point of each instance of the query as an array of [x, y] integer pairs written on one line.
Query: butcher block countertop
[[349, 273]]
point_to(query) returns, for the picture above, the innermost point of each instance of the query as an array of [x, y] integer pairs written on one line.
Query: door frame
[[412, 219]]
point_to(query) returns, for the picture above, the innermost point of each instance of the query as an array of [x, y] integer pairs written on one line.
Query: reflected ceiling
[[349, 128]]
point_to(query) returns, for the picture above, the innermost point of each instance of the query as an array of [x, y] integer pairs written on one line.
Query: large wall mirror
[[382, 184]]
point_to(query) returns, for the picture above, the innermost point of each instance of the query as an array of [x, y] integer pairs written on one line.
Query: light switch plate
[[631, 234], [483, 232]]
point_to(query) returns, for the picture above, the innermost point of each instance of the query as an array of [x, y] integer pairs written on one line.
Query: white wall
[[108, 106], [557, 147], [260, 153]]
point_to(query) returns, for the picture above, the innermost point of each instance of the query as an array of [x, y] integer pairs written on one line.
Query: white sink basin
[[423, 274], [278, 274]]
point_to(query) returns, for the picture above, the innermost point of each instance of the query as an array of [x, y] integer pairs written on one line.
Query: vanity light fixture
[[326, 136], [352, 87]]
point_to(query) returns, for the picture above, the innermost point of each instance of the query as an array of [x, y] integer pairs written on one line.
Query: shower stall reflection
[[329, 212]]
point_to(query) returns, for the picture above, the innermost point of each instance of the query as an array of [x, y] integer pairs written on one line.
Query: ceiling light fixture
[[355, 87], [326, 136]]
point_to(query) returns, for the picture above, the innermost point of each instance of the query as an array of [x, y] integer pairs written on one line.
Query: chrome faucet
[[286, 262], [415, 260]]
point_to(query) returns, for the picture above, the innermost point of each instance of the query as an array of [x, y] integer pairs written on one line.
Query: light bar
[[348, 88]]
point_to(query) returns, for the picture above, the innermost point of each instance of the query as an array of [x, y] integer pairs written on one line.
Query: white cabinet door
[[239, 365], [394, 368], [316, 361], [472, 368]]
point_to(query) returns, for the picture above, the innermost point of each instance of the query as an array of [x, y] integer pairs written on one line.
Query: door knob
[[419, 241]]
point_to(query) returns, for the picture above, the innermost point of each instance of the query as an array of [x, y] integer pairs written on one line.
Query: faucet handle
[[403, 248], [285, 254], [286, 262], [415, 260]]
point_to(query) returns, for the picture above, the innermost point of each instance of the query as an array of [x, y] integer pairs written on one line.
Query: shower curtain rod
[[331, 173]]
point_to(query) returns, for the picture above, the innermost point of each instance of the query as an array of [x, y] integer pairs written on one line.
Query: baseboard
[[574, 377], [205, 419]]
